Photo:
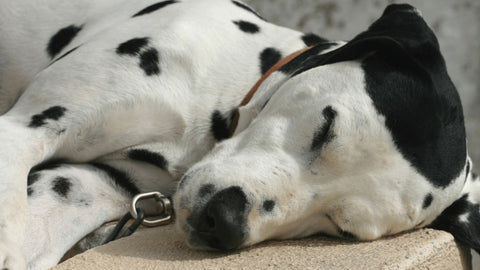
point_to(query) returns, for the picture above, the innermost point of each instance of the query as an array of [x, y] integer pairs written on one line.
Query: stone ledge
[[164, 248]]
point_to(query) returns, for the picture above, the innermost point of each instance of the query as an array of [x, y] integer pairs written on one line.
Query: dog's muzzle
[[222, 223]]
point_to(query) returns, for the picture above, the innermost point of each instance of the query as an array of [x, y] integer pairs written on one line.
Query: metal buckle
[[166, 213]]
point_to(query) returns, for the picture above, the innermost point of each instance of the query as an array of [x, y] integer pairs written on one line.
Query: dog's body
[[132, 94], [172, 117]]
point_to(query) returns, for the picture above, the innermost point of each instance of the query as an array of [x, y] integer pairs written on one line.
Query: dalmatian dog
[[104, 99]]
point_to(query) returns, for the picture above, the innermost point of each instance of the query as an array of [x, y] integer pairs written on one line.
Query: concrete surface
[[164, 248], [456, 24]]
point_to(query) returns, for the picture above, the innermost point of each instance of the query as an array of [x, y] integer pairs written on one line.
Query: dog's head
[[363, 141]]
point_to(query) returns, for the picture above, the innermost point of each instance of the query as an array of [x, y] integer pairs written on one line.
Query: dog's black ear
[[462, 218], [407, 81], [399, 34]]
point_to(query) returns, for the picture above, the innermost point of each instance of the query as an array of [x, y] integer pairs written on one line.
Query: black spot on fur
[[474, 176], [132, 47], [465, 231], [247, 8], [51, 164], [221, 125], [120, 179], [61, 39], [206, 190], [149, 157], [268, 205], [247, 27], [324, 134], [61, 186], [149, 62], [149, 57], [29, 191], [154, 7], [32, 178], [311, 39], [268, 58], [52, 113], [37, 120], [427, 201]]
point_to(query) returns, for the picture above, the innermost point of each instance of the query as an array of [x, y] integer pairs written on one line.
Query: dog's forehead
[[302, 99], [322, 117], [372, 95]]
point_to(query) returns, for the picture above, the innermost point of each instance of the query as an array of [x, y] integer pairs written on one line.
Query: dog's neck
[[284, 61], [242, 76]]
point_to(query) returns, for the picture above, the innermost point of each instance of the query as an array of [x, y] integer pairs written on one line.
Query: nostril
[[210, 222]]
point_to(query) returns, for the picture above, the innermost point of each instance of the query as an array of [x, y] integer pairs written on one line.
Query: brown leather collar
[[254, 89]]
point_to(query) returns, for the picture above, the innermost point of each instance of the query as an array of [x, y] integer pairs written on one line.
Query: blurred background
[[456, 24]]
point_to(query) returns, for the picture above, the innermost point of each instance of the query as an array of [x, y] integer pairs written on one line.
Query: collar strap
[[274, 68], [254, 89]]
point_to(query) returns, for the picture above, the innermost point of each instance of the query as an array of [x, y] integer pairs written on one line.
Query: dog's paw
[[11, 258]]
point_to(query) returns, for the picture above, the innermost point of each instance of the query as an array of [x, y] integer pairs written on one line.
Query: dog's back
[[202, 36]]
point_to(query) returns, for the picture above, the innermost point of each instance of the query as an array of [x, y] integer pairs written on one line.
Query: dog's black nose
[[222, 224]]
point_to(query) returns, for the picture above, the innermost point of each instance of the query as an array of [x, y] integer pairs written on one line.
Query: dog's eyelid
[[324, 135]]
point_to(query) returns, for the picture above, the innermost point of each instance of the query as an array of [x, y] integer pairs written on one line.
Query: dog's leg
[[462, 217], [66, 203], [45, 123], [21, 148]]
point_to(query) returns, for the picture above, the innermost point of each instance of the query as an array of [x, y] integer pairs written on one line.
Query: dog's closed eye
[[324, 134]]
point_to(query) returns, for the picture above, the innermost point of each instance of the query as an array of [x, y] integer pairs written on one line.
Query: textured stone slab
[[164, 248]]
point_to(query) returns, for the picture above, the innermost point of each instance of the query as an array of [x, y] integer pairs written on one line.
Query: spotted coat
[[99, 102]]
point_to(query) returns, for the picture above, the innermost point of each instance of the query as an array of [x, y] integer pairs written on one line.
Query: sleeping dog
[[102, 100]]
